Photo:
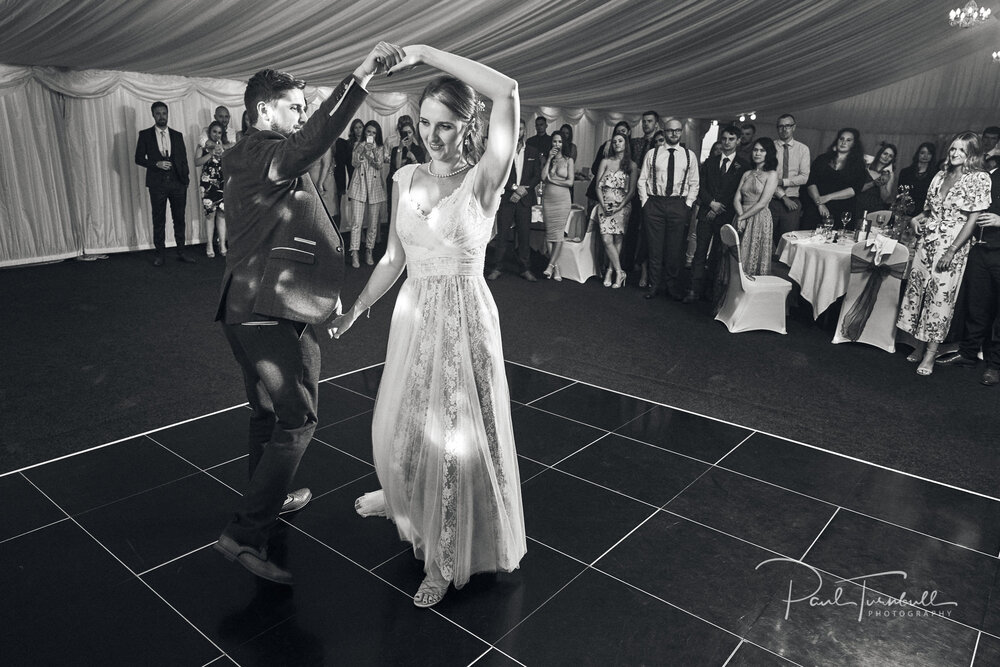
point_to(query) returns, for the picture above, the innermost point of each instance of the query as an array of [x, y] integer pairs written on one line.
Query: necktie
[[725, 164], [164, 144], [784, 163], [655, 151], [670, 173]]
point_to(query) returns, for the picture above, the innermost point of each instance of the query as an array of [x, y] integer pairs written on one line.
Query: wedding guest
[[514, 214], [210, 186], [557, 178], [835, 179], [407, 152], [244, 125], [991, 136], [747, 132], [617, 175], [566, 131], [878, 191], [919, 174], [343, 167], [635, 249], [793, 173], [956, 196], [541, 142], [229, 138], [753, 217], [715, 150], [367, 191], [622, 128]]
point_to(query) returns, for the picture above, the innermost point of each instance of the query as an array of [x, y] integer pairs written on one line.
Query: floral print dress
[[211, 186], [929, 302]]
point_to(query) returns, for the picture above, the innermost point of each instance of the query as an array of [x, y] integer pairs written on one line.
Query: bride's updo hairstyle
[[461, 99]]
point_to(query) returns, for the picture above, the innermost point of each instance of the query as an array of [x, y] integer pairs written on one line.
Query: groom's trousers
[[280, 360]]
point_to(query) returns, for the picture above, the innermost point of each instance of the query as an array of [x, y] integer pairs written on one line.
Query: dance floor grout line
[[822, 530], [662, 448], [975, 648], [738, 645], [544, 602], [353, 391], [393, 557], [338, 449], [689, 485], [224, 463], [175, 558], [129, 570], [119, 440], [734, 448], [779, 437], [624, 537], [34, 530], [571, 455], [340, 486], [606, 488], [215, 660], [356, 370], [570, 419], [556, 391], [552, 548]]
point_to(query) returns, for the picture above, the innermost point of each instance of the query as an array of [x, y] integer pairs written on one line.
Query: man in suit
[[283, 275], [161, 151], [981, 284], [720, 178], [514, 214], [635, 249], [542, 141]]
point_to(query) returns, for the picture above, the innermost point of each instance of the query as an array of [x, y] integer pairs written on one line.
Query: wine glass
[[845, 219]]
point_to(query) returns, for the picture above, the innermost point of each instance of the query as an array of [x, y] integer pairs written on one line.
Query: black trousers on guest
[[982, 314], [513, 223], [158, 198], [784, 220], [281, 364], [666, 221], [706, 261]]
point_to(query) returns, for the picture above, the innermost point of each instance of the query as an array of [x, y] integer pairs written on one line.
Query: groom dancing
[[283, 275]]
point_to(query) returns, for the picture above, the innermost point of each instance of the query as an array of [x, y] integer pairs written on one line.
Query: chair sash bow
[[857, 317], [730, 256]]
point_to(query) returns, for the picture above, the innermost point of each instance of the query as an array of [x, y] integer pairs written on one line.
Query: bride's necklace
[[449, 175]]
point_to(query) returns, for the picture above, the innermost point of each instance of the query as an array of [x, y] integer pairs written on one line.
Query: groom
[[283, 275]]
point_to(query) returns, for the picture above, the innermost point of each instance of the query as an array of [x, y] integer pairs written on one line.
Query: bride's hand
[[413, 57], [341, 324]]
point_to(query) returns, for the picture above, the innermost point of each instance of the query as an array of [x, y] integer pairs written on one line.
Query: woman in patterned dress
[[210, 187], [442, 436], [957, 194], [617, 176], [753, 217]]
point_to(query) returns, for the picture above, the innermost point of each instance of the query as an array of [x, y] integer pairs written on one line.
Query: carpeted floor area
[[97, 351]]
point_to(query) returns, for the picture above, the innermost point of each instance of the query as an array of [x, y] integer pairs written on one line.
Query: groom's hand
[[383, 57]]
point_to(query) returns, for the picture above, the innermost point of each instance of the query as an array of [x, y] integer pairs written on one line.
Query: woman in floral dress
[[753, 217], [210, 187], [956, 196], [617, 175]]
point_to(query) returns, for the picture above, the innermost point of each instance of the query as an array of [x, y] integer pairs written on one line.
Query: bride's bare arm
[[502, 90]]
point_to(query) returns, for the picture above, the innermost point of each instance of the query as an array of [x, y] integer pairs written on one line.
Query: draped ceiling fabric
[[80, 75]]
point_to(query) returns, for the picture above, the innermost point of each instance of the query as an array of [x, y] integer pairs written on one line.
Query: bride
[[442, 435]]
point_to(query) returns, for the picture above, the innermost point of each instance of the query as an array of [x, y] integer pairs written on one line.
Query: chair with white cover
[[871, 305], [878, 218], [749, 303], [576, 259]]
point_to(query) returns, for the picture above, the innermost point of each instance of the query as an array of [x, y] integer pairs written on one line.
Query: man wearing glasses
[[793, 172], [668, 187]]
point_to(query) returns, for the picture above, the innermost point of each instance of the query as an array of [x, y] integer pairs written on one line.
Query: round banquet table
[[822, 270]]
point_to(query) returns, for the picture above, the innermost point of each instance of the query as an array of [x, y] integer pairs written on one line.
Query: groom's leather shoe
[[253, 559], [991, 377], [296, 500]]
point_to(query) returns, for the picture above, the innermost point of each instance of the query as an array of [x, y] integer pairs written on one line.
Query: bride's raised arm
[[501, 90]]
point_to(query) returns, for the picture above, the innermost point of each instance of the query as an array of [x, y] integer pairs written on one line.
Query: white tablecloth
[[822, 270]]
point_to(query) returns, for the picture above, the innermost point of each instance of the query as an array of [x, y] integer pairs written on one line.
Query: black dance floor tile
[[331, 519], [827, 630], [101, 476], [336, 613], [495, 658], [596, 620], [682, 432], [634, 468], [991, 620], [150, 528], [209, 440], [527, 384], [751, 655], [70, 602], [491, 604], [25, 507], [709, 574], [547, 438], [337, 404], [352, 435], [810, 471], [577, 518], [952, 515], [765, 515], [855, 546], [364, 382], [599, 408], [988, 652]]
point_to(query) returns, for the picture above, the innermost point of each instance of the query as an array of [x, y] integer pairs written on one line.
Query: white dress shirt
[[518, 165], [799, 161], [686, 178], [163, 140]]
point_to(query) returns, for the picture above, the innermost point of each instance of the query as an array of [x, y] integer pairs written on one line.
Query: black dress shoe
[[690, 297], [158, 261], [650, 294], [253, 559], [181, 257], [991, 377], [493, 275], [529, 276], [296, 500], [956, 359]]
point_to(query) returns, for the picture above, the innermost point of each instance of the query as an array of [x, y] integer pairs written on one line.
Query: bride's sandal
[[431, 591], [371, 504]]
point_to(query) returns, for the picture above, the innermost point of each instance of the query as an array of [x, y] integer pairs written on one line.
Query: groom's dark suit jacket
[[286, 257], [716, 186], [147, 154], [531, 175]]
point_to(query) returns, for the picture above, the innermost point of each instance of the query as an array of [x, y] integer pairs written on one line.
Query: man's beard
[[285, 131]]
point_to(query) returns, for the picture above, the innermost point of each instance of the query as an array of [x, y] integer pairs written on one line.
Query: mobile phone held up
[[369, 139]]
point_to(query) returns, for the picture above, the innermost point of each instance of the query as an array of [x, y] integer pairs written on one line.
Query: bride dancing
[[442, 435]]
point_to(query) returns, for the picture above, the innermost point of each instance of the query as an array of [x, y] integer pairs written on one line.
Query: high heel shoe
[[621, 280], [548, 271], [354, 259], [555, 274], [607, 278]]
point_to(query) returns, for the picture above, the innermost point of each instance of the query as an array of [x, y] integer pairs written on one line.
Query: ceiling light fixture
[[968, 16]]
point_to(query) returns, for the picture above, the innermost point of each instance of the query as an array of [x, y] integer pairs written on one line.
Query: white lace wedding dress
[[442, 434]]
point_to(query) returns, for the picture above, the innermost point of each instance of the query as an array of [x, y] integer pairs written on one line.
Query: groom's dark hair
[[266, 86]]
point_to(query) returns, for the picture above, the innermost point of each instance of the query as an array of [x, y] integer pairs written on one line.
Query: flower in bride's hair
[[480, 105]]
